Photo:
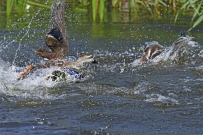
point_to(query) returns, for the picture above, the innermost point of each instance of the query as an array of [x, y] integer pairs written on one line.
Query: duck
[[155, 49], [151, 52], [56, 41], [181, 41]]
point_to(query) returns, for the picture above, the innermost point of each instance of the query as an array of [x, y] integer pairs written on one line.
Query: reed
[[9, 5], [101, 9], [38, 4], [20, 5], [153, 6], [98, 7], [197, 8], [132, 5], [94, 9]]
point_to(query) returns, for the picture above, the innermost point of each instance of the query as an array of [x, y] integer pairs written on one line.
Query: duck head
[[181, 41]]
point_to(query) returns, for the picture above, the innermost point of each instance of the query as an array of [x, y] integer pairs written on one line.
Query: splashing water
[[171, 53], [35, 85], [26, 33]]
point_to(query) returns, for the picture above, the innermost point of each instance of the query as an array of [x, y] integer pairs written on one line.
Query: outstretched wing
[[58, 17], [56, 39]]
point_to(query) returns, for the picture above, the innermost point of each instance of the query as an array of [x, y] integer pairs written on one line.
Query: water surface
[[118, 96]]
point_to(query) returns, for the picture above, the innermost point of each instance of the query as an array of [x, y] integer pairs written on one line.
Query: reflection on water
[[119, 95]]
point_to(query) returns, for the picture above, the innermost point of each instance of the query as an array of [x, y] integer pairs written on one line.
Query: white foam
[[170, 53], [34, 86], [136, 62], [151, 43], [142, 87], [161, 98]]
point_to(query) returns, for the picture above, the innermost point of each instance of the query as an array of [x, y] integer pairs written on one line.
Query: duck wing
[[56, 38], [58, 19]]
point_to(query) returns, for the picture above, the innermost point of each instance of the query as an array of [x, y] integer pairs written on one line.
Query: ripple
[[160, 98]]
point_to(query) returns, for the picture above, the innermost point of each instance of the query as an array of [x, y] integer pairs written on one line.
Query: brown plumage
[[56, 40], [155, 49], [151, 52]]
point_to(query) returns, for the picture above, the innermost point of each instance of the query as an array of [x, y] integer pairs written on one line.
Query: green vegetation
[[20, 5], [155, 8], [98, 8], [197, 7]]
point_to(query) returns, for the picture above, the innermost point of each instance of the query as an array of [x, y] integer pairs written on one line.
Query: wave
[[117, 63]]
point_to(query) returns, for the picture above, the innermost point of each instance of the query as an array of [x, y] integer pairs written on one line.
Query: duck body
[[56, 41], [61, 75], [181, 41], [155, 49]]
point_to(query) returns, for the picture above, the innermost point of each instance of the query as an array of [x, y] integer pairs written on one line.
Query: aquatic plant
[[99, 7], [9, 6], [197, 6], [95, 5], [124, 5], [20, 5], [153, 6]]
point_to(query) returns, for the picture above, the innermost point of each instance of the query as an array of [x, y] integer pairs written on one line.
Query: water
[[118, 96]]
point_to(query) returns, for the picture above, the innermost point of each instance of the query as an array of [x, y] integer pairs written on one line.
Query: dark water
[[119, 96]]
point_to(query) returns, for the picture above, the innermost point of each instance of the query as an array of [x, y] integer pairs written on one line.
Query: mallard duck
[[151, 52], [155, 49], [56, 40], [182, 40]]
